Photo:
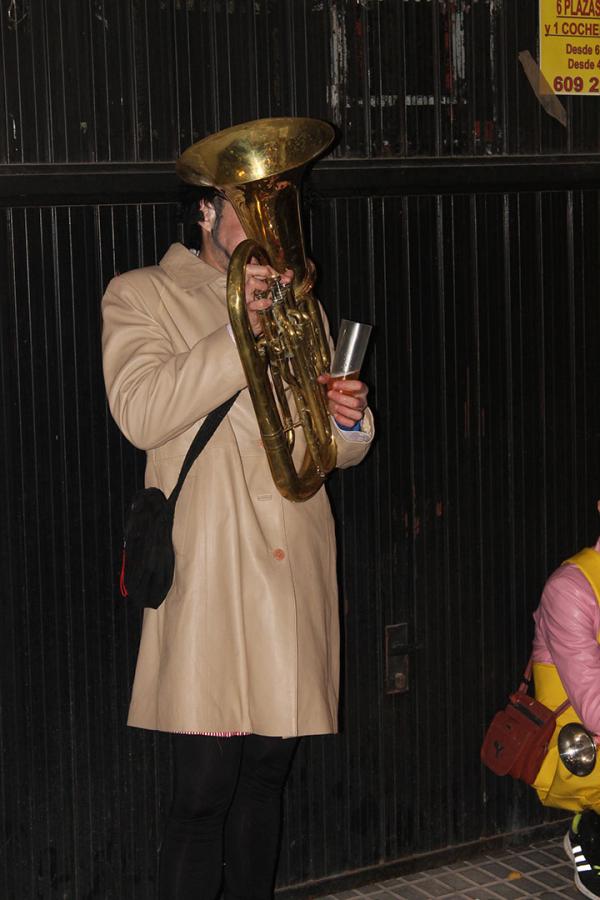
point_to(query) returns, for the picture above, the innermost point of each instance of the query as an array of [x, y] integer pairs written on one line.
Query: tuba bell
[[258, 167]]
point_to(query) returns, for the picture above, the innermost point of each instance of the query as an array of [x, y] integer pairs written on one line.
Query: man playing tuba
[[242, 658]]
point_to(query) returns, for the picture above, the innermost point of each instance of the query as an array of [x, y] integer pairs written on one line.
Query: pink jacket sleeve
[[567, 622]]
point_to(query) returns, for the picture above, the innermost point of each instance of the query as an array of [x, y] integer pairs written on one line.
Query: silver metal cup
[[577, 749]]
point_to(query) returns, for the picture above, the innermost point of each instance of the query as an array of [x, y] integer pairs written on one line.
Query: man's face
[[222, 230]]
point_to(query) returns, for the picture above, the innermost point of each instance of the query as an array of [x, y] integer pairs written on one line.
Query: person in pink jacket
[[566, 658]]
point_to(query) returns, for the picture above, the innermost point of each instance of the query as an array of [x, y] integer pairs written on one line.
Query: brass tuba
[[258, 167]]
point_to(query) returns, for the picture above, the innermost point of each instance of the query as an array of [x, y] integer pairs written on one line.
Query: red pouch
[[517, 739]]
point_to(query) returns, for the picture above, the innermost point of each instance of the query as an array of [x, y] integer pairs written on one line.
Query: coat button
[[279, 553]]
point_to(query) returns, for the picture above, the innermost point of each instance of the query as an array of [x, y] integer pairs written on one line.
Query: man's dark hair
[[189, 214]]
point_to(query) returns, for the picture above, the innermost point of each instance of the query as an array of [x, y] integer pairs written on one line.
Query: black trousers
[[226, 810]]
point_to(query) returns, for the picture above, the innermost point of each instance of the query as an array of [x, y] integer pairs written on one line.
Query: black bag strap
[[203, 436], [524, 686]]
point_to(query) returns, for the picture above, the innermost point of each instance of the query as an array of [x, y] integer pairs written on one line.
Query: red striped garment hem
[[221, 734]]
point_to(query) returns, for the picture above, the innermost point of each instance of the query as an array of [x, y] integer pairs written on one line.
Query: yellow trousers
[[555, 785]]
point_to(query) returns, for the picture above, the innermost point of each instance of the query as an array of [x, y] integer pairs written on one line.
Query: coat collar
[[186, 270]]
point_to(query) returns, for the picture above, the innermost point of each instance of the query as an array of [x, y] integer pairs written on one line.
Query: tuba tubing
[[320, 454]]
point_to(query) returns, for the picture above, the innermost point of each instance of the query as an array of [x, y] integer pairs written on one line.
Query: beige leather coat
[[247, 639]]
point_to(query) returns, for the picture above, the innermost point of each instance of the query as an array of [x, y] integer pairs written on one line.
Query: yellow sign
[[570, 45]]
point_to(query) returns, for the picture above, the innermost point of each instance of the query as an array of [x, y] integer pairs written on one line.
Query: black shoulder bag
[[148, 560]]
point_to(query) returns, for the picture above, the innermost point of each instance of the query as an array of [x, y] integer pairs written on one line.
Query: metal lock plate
[[396, 659]]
